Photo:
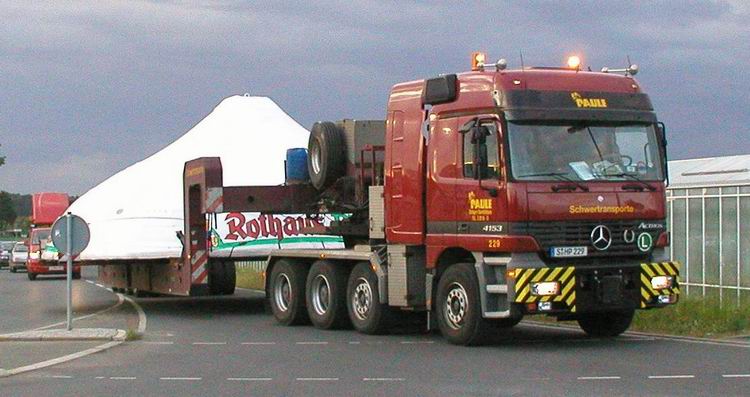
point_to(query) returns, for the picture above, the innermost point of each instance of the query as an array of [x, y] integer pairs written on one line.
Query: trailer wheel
[[287, 292], [459, 312], [76, 276], [326, 295], [222, 278], [608, 324], [31, 276], [326, 154], [366, 313]]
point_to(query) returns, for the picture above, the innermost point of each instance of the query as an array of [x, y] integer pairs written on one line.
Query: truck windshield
[[38, 235], [584, 152]]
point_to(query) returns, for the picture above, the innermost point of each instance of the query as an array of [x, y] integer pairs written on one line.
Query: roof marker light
[[574, 62], [477, 60]]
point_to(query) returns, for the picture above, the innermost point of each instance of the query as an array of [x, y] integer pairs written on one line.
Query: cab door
[[442, 166], [480, 192]]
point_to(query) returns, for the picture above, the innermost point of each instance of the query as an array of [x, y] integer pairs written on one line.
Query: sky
[[88, 88]]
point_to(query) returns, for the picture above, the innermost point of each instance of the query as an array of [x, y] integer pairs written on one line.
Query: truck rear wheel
[[326, 295], [222, 278], [326, 154], [607, 324], [287, 292], [366, 313], [459, 312]]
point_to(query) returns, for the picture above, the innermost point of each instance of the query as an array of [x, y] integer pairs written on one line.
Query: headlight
[[545, 288], [662, 282]]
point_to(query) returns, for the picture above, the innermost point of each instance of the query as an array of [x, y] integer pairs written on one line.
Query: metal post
[[69, 248]]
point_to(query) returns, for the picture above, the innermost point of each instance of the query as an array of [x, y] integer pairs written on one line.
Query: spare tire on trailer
[[326, 154]]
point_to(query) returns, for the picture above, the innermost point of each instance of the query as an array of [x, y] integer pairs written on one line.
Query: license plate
[[568, 252], [56, 268]]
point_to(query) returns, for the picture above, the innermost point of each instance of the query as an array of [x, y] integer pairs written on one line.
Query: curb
[[61, 335]]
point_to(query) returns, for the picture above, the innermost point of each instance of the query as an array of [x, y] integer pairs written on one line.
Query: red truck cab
[[45, 209]]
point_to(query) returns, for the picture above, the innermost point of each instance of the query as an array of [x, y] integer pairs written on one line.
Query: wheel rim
[[282, 292], [456, 303], [321, 294], [315, 158], [362, 299]]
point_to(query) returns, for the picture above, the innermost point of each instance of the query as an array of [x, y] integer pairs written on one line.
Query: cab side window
[[481, 157]]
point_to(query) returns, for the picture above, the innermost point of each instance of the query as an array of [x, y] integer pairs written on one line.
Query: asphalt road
[[230, 346]]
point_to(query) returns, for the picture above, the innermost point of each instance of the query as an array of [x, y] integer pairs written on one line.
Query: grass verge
[[249, 278], [131, 335], [695, 316]]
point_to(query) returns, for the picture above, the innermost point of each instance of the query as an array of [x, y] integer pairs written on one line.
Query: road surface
[[230, 346]]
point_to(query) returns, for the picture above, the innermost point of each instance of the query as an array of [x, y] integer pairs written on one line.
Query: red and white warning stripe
[[215, 199], [198, 267]]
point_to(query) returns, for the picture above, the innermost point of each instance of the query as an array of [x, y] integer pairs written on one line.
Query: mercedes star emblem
[[601, 238]]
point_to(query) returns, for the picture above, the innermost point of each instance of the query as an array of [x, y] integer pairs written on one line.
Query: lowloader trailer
[[483, 197]]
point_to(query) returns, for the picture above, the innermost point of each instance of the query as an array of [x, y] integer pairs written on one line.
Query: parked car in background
[[19, 255], [5, 248]]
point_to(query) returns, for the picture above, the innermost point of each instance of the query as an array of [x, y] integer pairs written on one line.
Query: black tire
[[222, 278], [286, 292], [366, 313], [326, 154], [458, 308], [76, 276], [608, 324], [31, 276], [326, 294], [12, 269]]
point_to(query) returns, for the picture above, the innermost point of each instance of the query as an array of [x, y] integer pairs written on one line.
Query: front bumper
[[585, 289]]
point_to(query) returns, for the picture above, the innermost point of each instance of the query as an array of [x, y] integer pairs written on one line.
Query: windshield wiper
[[635, 178], [560, 175]]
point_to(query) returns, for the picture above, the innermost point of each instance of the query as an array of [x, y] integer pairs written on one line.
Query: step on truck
[[483, 197], [43, 258]]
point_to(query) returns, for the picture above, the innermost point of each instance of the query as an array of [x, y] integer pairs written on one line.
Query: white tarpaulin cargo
[[135, 213]]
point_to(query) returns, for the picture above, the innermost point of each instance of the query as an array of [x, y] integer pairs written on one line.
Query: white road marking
[[209, 343], [354, 343], [100, 286], [178, 378], [99, 377], [258, 343], [158, 343], [311, 343], [598, 377], [250, 379], [84, 353], [317, 379], [61, 377], [736, 376], [122, 377], [89, 281], [671, 376], [383, 379]]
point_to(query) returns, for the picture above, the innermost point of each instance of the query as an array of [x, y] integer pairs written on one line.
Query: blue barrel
[[296, 166]]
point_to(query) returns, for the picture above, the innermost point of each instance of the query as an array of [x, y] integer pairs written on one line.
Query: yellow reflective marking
[[540, 274], [658, 269], [573, 309], [645, 294], [571, 299], [671, 269], [647, 284], [553, 276], [524, 276], [520, 297], [568, 272], [567, 289], [648, 270]]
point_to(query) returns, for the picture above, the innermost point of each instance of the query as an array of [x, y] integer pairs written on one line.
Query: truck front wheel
[[287, 292], [326, 295], [607, 324], [459, 313], [367, 314], [30, 275]]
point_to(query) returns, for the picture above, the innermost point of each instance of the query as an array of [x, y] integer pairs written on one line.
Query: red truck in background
[[483, 197], [43, 258]]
